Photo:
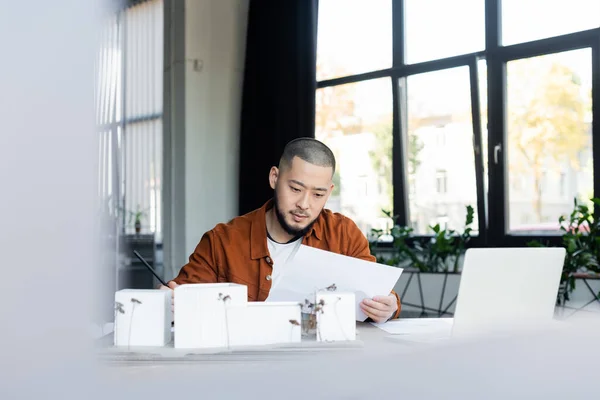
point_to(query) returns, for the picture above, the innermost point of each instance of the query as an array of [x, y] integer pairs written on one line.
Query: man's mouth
[[299, 217]]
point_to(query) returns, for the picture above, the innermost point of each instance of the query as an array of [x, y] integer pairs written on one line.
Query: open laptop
[[502, 290], [507, 289]]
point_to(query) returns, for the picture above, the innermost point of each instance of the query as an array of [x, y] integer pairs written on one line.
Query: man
[[252, 249]]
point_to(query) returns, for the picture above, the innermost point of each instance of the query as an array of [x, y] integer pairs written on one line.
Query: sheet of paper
[[418, 326], [312, 269]]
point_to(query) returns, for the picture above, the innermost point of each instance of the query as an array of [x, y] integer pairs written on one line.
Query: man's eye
[[294, 189], [318, 194]]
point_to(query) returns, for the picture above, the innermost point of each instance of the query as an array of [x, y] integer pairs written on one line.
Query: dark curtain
[[278, 101]]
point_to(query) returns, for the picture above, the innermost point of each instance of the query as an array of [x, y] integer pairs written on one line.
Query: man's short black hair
[[310, 150]]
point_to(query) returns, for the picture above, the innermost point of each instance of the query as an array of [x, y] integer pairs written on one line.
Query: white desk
[[558, 364], [370, 339]]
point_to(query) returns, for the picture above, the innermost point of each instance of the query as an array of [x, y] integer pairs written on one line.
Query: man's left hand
[[379, 308]]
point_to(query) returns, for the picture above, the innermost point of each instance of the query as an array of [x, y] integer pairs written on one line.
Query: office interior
[[467, 123], [433, 109]]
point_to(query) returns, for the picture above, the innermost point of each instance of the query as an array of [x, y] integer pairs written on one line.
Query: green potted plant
[[442, 252], [136, 217], [581, 239], [431, 266]]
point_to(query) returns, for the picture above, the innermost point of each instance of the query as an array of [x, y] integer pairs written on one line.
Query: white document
[[312, 269], [418, 326]]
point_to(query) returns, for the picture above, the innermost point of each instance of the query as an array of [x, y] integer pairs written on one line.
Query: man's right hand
[[172, 285]]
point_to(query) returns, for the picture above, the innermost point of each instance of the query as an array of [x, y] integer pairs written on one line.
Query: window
[[439, 106], [563, 184], [549, 111], [355, 121], [503, 125], [442, 28], [543, 183], [347, 31], [129, 115], [526, 20], [441, 181]]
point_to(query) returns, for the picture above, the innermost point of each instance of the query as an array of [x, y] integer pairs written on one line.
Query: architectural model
[[142, 317], [219, 315], [200, 313], [336, 316], [258, 323]]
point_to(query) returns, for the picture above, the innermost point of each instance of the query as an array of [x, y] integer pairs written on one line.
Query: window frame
[[492, 208]]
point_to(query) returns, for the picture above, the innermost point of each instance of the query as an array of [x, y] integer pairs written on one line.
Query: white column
[[204, 56]]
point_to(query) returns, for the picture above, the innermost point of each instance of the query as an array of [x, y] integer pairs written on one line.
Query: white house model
[[142, 317], [336, 316], [258, 323], [219, 315], [200, 313]]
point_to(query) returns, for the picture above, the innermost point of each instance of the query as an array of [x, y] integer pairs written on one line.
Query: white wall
[[49, 209], [205, 54]]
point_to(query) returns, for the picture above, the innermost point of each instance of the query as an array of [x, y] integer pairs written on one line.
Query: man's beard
[[286, 227]]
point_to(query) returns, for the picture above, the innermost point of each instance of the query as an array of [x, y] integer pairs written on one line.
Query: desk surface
[[369, 340], [378, 365]]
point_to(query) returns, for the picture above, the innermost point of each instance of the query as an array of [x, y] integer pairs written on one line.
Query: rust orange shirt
[[237, 251]]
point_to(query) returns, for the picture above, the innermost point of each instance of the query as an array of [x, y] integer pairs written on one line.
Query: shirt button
[[268, 259], [268, 277]]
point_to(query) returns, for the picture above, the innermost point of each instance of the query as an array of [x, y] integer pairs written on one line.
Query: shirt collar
[[258, 231]]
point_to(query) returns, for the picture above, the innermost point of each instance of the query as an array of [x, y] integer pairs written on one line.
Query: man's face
[[301, 192]]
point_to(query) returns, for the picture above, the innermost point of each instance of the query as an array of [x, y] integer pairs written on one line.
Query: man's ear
[[273, 176]]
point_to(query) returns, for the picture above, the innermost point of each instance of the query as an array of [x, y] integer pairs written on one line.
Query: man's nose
[[303, 202]]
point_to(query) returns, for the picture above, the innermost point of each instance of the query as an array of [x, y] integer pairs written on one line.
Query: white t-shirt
[[280, 254]]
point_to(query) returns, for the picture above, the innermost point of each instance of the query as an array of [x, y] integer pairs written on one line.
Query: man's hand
[[172, 285], [379, 308]]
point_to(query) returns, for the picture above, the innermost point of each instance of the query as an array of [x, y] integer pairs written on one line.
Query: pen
[[150, 268]]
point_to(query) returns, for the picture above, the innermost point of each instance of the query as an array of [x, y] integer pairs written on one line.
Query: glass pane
[[549, 138], [526, 20], [355, 121], [441, 164], [442, 28], [354, 36], [142, 179]]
